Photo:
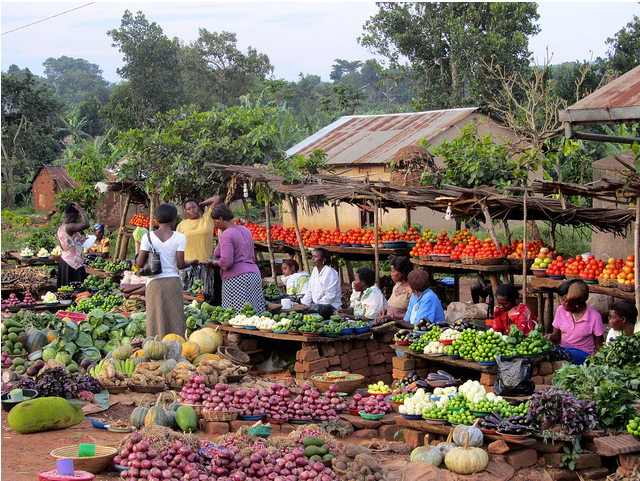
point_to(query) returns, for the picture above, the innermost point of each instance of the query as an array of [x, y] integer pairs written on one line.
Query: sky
[[298, 37]]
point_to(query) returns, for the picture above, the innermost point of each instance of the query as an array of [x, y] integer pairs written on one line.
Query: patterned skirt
[[165, 307], [241, 289]]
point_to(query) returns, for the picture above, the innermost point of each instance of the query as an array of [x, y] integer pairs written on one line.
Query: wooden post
[[637, 254], [524, 247], [245, 204], [552, 235], [293, 202], [123, 222], [124, 246], [152, 200], [408, 210], [489, 221], [376, 251], [507, 231], [272, 259], [335, 211]]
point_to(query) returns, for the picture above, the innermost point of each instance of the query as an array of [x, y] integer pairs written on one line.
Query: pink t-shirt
[[235, 252], [582, 333]]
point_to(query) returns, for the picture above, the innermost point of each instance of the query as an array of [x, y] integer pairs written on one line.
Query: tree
[[340, 100], [445, 44], [342, 67], [151, 68], [30, 116], [89, 112], [624, 52], [216, 72], [76, 80]]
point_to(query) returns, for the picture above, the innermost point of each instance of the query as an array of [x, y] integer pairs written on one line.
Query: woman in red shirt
[[509, 312]]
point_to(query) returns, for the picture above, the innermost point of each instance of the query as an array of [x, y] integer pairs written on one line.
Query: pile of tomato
[[516, 249], [489, 249], [457, 251], [142, 221], [422, 248], [557, 267], [627, 271]]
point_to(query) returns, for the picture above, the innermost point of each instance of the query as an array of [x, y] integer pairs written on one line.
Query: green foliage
[[473, 161], [44, 236], [446, 44], [340, 100], [76, 80], [624, 48]]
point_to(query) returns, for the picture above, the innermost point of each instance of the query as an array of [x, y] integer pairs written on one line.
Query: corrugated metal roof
[[622, 92], [618, 101], [374, 139], [60, 175]]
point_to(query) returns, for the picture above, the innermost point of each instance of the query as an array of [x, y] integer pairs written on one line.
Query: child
[[622, 319]]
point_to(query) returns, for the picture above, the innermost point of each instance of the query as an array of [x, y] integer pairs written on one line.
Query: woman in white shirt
[[622, 319], [323, 294], [165, 304], [367, 300], [297, 283]]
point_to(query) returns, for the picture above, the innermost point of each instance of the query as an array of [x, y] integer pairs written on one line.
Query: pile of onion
[[145, 464], [248, 403], [276, 400], [304, 404], [372, 404], [195, 391], [219, 399], [337, 402]]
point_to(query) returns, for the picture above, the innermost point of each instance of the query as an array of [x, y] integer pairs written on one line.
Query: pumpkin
[[138, 415], [186, 418], [157, 415], [171, 417], [201, 357], [426, 454], [51, 335], [138, 353], [191, 350], [122, 352], [35, 340], [174, 349], [138, 359], [167, 366], [475, 435], [173, 337], [465, 459], [447, 445], [215, 335], [154, 349], [204, 340], [175, 404]]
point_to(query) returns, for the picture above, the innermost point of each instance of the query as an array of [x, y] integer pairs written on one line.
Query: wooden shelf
[[295, 337], [547, 284]]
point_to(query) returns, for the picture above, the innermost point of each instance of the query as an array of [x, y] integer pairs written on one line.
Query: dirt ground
[[24, 455]]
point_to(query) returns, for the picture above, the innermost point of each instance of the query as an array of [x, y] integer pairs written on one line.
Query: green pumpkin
[[167, 366], [35, 340], [154, 350], [187, 419], [122, 352], [171, 417], [174, 349], [138, 415], [157, 415], [175, 404]]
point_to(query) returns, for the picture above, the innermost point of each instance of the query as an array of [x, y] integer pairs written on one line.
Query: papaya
[[45, 414], [328, 456], [186, 418], [312, 441], [315, 457], [314, 451]]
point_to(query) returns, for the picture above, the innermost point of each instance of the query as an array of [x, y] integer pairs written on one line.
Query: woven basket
[[197, 408], [490, 261], [468, 260], [234, 355], [343, 386], [572, 276], [608, 282], [93, 464], [219, 416], [626, 287]]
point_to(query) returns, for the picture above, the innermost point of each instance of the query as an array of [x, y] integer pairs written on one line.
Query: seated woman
[[100, 247], [622, 319], [367, 300], [133, 284], [423, 303], [508, 312], [399, 300], [296, 282], [577, 327], [324, 293]]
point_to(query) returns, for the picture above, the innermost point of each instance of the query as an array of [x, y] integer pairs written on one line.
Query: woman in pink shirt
[[577, 327], [234, 256]]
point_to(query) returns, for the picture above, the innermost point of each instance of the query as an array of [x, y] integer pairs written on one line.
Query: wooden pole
[[272, 260], [552, 235], [335, 212], [123, 222], [152, 207], [408, 210], [507, 231], [637, 254], [293, 202], [489, 221], [376, 251], [245, 204], [524, 249]]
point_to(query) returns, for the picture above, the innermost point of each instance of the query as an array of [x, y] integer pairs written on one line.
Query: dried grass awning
[[317, 190], [604, 189]]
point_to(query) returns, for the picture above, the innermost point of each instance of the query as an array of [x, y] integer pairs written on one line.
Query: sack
[[152, 265], [514, 378]]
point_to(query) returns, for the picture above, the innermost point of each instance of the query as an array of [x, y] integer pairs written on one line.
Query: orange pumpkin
[[191, 350]]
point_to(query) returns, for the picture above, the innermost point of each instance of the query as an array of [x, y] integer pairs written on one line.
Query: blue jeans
[[577, 355]]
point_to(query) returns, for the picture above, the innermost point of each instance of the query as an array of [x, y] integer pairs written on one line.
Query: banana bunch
[[126, 367], [97, 369]]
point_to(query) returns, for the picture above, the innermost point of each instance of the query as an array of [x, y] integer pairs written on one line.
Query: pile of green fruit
[[331, 327], [634, 426], [98, 263], [400, 396], [463, 416], [419, 344], [108, 286], [486, 405], [11, 332], [489, 345], [434, 412], [289, 316], [120, 266], [197, 284], [222, 315], [310, 326], [83, 305], [432, 334], [534, 343], [507, 410], [272, 291], [458, 401], [92, 281], [248, 310], [312, 317]]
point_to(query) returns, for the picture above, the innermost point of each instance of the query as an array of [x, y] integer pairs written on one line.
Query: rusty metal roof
[[617, 101], [60, 175], [374, 139]]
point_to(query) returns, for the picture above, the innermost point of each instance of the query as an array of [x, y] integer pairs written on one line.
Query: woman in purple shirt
[[234, 256]]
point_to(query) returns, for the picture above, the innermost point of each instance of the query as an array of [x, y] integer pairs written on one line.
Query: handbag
[[152, 265]]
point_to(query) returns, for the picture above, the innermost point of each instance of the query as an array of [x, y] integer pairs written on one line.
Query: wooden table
[[33, 261], [494, 272], [461, 363], [295, 337], [545, 287]]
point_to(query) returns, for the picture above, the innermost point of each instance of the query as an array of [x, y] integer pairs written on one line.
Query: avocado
[[312, 441]]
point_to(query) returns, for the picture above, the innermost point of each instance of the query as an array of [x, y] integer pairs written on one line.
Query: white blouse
[[324, 288]]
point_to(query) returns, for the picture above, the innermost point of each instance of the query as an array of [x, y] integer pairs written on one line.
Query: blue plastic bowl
[[251, 418], [347, 331], [360, 330]]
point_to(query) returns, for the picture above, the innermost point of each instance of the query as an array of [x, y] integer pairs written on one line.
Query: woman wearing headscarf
[[100, 247], [198, 230], [70, 265], [234, 255]]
